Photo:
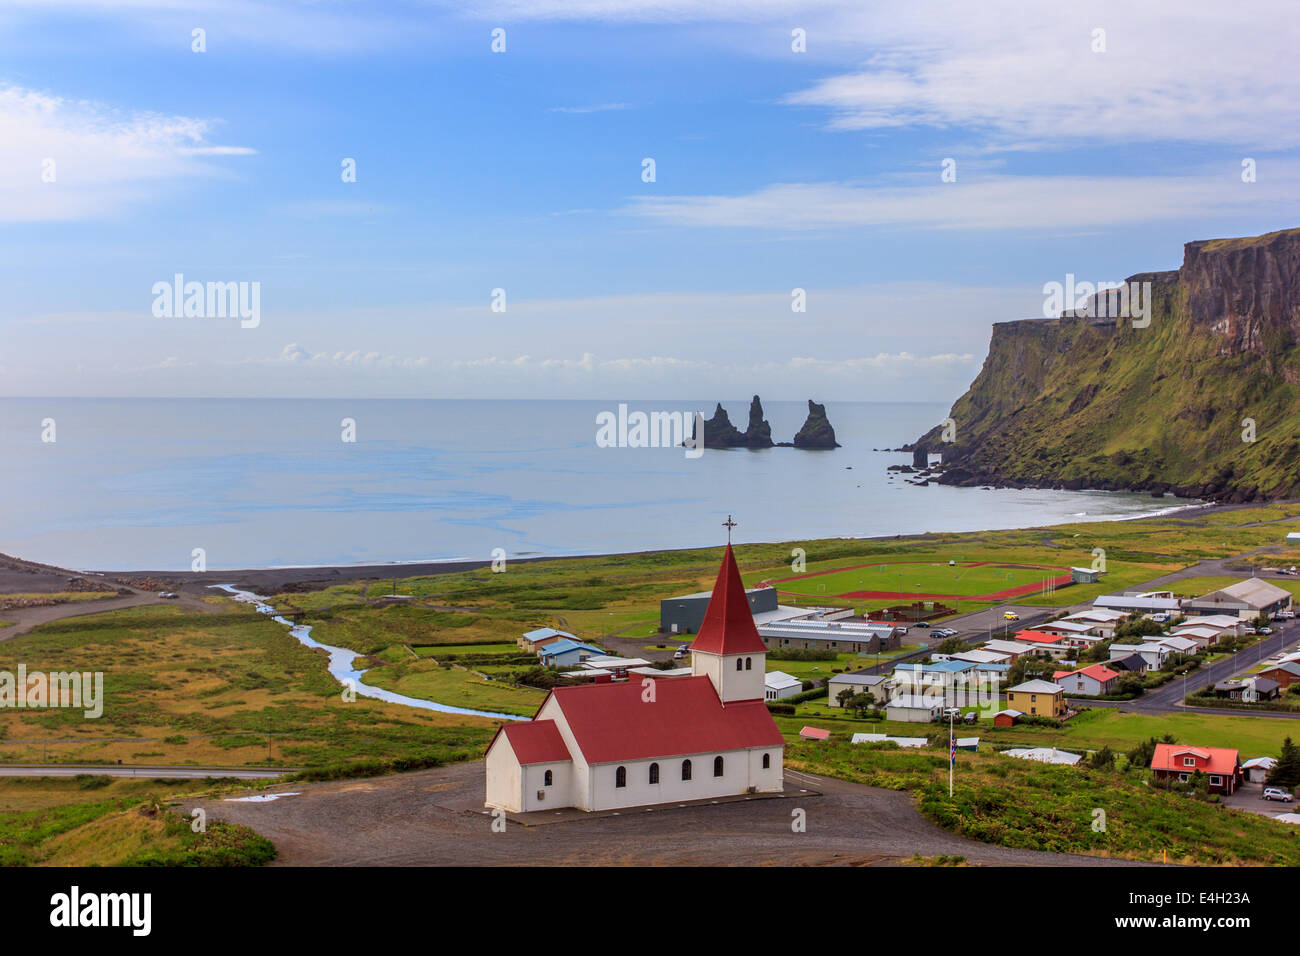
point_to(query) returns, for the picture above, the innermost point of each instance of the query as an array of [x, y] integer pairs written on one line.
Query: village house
[[1070, 629], [1012, 649], [1105, 621], [1176, 643], [533, 641], [1246, 600], [1096, 680], [1285, 674], [1248, 690], [634, 743], [915, 708], [1043, 644], [567, 653], [779, 684], [878, 685], [1144, 605], [1179, 762], [1037, 698], [1132, 663], [1153, 655]]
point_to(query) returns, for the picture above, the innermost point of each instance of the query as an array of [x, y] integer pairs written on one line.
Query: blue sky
[[522, 170]]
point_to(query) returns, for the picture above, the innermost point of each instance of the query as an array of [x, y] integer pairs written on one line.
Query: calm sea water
[[140, 483]]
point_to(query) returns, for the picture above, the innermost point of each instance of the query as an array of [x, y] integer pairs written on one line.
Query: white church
[[659, 740]]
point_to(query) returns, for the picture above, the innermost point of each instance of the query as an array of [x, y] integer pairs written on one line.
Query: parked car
[[951, 713], [971, 717], [922, 623], [1277, 793], [1285, 615], [1265, 630], [1011, 616]]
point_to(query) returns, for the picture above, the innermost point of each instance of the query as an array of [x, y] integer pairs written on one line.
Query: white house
[[644, 741], [915, 708], [1012, 649], [877, 684], [1093, 681], [1153, 655], [1178, 643], [779, 684]]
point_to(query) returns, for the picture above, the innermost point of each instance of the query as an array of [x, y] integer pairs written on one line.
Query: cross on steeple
[[729, 524]]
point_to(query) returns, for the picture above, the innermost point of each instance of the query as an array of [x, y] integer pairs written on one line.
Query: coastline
[[274, 579]]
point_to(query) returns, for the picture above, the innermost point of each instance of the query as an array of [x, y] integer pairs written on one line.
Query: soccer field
[[926, 581]]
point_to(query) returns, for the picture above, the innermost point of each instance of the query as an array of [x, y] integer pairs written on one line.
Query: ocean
[[142, 483]]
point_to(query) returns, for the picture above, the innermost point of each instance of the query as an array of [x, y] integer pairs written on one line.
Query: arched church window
[[548, 779], [654, 773], [620, 777], [767, 761], [686, 770], [740, 665], [717, 766], [749, 663]]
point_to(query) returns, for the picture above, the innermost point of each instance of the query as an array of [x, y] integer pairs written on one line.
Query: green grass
[[914, 577]]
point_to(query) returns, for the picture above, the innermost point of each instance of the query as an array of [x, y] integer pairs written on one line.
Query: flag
[[952, 749]]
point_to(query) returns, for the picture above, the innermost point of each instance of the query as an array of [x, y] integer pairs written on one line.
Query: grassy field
[[104, 821], [916, 577], [211, 690], [1029, 805], [457, 686]]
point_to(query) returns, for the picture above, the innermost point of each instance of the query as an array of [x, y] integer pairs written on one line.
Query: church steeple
[[728, 649]]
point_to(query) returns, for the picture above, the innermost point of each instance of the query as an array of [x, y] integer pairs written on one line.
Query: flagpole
[[952, 753]]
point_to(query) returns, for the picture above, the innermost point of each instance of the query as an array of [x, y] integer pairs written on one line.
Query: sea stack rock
[[816, 431], [719, 432], [759, 432], [920, 457]]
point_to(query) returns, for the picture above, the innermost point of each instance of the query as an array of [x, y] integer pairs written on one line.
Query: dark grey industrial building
[[685, 614]]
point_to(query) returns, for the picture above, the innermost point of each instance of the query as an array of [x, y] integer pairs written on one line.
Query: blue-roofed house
[[534, 641], [943, 677], [567, 653]]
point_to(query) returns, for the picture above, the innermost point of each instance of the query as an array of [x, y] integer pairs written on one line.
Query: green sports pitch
[[910, 581]]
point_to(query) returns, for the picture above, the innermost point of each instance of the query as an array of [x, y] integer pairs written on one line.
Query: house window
[[1033, 697], [654, 773], [548, 778], [686, 770], [767, 761], [740, 664], [717, 766], [1216, 780], [620, 777], [1182, 777], [749, 663], [1189, 761]]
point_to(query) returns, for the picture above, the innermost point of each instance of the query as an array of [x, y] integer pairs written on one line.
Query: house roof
[[780, 680], [1254, 591], [1098, 672], [868, 680], [981, 657], [566, 645], [728, 626], [942, 667], [1044, 755], [1008, 647], [535, 741], [544, 632], [1074, 627], [1037, 687], [1009, 712], [1101, 615], [1217, 759], [1037, 637], [1129, 662], [1289, 667], [613, 722], [1265, 686], [815, 733], [1266, 763], [1177, 642], [1137, 602]]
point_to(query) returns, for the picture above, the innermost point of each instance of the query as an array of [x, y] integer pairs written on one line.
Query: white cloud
[[102, 160], [987, 202]]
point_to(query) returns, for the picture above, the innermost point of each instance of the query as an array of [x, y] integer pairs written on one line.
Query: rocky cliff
[[816, 431], [1202, 401]]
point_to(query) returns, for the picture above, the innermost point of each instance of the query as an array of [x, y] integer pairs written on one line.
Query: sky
[[795, 146]]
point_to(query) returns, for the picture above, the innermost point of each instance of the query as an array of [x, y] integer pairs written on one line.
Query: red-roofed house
[[648, 741], [1179, 762], [1044, 645], [1092, 681]]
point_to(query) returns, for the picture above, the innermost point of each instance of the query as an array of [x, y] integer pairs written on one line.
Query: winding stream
[[342, 662]]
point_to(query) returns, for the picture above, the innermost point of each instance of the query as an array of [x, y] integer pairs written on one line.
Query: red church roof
[[728, 626], [613, 722], [535, 741]]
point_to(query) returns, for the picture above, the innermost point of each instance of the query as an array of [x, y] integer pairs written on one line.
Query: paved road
[[155, 773]]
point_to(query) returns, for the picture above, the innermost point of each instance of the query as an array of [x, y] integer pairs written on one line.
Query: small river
[[343, 661]]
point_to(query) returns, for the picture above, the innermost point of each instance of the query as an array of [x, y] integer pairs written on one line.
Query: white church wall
[[739, 774], [504, 776], [558, 794], [732, 684]]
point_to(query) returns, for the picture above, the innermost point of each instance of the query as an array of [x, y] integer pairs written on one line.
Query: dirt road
[[435, 818]]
